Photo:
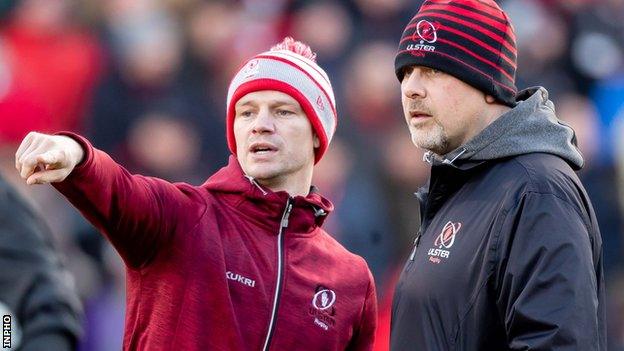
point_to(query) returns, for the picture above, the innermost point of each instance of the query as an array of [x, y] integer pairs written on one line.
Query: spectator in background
[[48, 69], [35, 289], [598, 177], [380, 19], [543, 38], [331, 39], [402, 168], [145, 96], [360, 221], [597, 56], [370, 106], [597, 46]]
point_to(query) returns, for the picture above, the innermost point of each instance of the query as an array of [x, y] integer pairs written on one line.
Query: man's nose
[[412, 86], [264, 122]]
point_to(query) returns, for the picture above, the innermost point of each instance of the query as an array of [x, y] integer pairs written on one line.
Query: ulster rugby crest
[[444, 242], [323, 310]]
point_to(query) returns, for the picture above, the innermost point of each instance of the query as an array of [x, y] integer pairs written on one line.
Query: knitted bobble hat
[[289, 67]]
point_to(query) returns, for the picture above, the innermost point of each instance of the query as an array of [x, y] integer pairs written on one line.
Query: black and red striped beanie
[[472, 40]]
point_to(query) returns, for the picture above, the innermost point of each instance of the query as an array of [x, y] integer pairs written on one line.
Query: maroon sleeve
[[137, 214], [364, 337]]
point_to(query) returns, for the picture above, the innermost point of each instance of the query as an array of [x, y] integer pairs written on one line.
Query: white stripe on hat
[[307, 65]]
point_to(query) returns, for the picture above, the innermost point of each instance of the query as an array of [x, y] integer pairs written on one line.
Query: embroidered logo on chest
[[322, 307], [443, 243]]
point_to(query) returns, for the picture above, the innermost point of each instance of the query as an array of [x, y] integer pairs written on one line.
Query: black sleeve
[[37, 291], [548, 283]]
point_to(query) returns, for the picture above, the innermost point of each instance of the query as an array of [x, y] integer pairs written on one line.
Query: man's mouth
[[262, 148], [419, 114]]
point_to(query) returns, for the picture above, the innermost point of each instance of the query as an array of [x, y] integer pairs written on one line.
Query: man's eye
[[245, 114], [284, 113]]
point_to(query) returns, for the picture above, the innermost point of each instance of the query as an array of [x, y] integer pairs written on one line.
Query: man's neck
[[495, 112], [292, 185]]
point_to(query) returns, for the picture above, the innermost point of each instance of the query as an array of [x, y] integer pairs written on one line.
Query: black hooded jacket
[[509, 255], [36, 292]]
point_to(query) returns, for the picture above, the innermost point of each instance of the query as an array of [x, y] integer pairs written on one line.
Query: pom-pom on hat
[[289, 67]]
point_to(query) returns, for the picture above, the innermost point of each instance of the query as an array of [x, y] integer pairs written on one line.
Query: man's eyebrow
[[245, 103], [272, 103], [283, 102]]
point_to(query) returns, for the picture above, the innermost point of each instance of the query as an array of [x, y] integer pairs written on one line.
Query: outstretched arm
[[138, 214]]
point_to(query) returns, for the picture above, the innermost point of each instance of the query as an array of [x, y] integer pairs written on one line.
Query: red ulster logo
[[446, 239], [426, 31]]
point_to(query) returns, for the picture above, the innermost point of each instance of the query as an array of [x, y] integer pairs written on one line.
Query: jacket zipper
[[280, 273], [416, 242]]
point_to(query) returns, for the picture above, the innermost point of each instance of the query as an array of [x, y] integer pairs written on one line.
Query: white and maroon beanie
[[289, 67]]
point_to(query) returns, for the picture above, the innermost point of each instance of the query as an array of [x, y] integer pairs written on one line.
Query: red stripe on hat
[[477, 5], [471, 14], [307, 74], [504, 86], [481, 43], [501, 16], [278, 85], [474, 40], [500, 69], [493, 9], [471, 25]]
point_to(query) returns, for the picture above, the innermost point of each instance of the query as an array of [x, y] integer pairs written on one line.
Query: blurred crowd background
[[146, 81]]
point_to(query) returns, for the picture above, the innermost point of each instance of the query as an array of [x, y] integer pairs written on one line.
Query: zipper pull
[[284, 223], [416, 242]]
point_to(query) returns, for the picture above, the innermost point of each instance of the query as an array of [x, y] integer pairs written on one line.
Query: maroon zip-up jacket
[[227, 265]]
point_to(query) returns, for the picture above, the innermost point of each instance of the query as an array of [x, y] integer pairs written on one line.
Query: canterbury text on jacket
[[227, 265], [509, 252]]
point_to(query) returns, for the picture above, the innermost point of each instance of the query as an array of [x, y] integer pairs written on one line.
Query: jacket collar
[[265, 206]]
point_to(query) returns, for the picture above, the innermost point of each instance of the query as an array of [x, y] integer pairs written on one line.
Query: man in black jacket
[[38, 305], [508, 256]]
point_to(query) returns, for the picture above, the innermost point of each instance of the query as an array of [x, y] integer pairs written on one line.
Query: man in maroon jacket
[[241, 262]]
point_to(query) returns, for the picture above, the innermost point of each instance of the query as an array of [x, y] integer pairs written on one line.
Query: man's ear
[[316, 140], [489, 99]]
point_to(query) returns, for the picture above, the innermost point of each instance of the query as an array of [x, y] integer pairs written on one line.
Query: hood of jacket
[[266, 206], [530, 127]]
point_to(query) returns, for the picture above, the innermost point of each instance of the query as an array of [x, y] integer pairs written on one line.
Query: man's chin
[[427, 144]]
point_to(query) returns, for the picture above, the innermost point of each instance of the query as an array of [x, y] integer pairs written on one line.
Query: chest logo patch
[[444, 242], [323, 310], [324, 299]]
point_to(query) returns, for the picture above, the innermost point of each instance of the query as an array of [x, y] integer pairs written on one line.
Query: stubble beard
[[433, 138]]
